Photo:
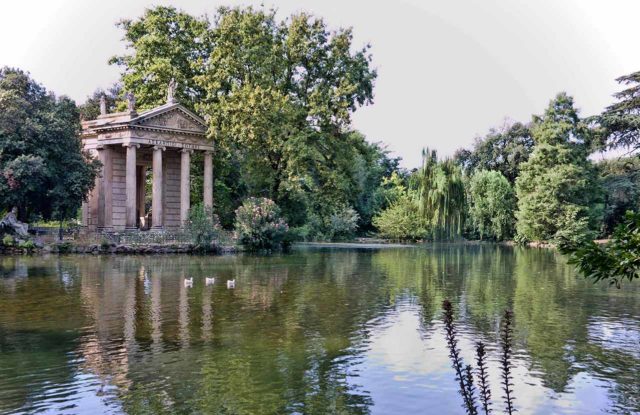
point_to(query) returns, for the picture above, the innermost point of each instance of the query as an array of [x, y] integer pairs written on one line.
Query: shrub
[[8, 240], [342, 224], [105, 244], [259, 226], [64, 247], [27, 245], [202, 226], [401, 221]]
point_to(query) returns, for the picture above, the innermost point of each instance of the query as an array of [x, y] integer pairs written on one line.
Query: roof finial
[[131, 102], [171, 91], [103, 105]]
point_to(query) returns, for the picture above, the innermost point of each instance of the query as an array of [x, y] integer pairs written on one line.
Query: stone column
[[142, 179], [94, 198], [157, 192], [208, 179], [185, 188], [105, 191], [131, 180]]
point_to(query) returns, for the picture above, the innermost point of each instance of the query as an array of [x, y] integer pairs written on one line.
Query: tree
[[502, 149], [401, 220], [492, 205], [621, 183], [280, 94], [43, 170], [558, 192], [619, 124], [278, 97], [165, 44], [441, 195], [615, 261], [91, 107]]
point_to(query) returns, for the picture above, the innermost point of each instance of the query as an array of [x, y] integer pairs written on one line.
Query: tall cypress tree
[[558, 193]]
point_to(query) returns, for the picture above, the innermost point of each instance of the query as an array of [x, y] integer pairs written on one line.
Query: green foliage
[[441, 196], [402, 219], [492, 205], [502, 149], [557, 190], [342, 224], [619, 124], [165, 43], [43, 170], [259, 226], [621, 183], [8, 240], [28, 246], [90, 110], [615, 261], [278, 96], [202, 226]]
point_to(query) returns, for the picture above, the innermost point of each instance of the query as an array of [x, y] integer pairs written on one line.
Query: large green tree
[[441, 195], [620, 179], [558, 193], [619, 123], [502, 149], [165, 43], [278, 96], [90, 109], [492, 205], [43, 170]]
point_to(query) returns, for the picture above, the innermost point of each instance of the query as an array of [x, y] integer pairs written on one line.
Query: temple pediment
[[174, 117], [170, 126]]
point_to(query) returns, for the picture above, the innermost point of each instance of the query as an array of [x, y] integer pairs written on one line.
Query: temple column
[[142, 179], [185, 196], [157, 189], [208, 179], [131, 180], [105, 202]]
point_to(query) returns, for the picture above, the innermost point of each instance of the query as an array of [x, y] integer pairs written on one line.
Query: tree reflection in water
[[316, 331]]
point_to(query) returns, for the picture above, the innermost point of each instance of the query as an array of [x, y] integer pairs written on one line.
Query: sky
[[447, 70]]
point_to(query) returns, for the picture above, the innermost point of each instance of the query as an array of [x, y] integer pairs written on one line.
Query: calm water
[[319, 331]]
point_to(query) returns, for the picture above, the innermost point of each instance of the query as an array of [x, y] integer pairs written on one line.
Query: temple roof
[[170, 117]]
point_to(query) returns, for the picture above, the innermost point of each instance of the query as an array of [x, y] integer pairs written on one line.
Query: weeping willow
[[441, 195]]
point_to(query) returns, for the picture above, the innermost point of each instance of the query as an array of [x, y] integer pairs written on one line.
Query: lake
[[328, 330]]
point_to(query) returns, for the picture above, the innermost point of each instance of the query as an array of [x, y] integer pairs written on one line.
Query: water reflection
[[317, 331]]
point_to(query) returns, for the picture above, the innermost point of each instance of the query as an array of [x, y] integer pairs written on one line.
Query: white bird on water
[[231, 283], [209, 281], [188, 282]]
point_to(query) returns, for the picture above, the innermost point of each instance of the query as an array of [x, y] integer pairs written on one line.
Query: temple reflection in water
[[352, 331]]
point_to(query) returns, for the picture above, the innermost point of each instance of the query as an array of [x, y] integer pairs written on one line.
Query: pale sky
[[447, 70]]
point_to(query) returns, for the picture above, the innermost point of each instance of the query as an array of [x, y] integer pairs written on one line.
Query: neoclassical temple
[[131, 145]]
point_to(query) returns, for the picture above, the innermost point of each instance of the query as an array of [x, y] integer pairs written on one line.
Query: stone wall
[[171, 170], [118, 188]]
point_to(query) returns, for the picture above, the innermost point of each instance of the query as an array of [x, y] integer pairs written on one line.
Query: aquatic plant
[[464, 374], [483, 377], [506, 339]]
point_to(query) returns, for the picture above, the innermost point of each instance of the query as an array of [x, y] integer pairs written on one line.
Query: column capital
[[162, 148], [208, 152], [187, 150], [131, 145]]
